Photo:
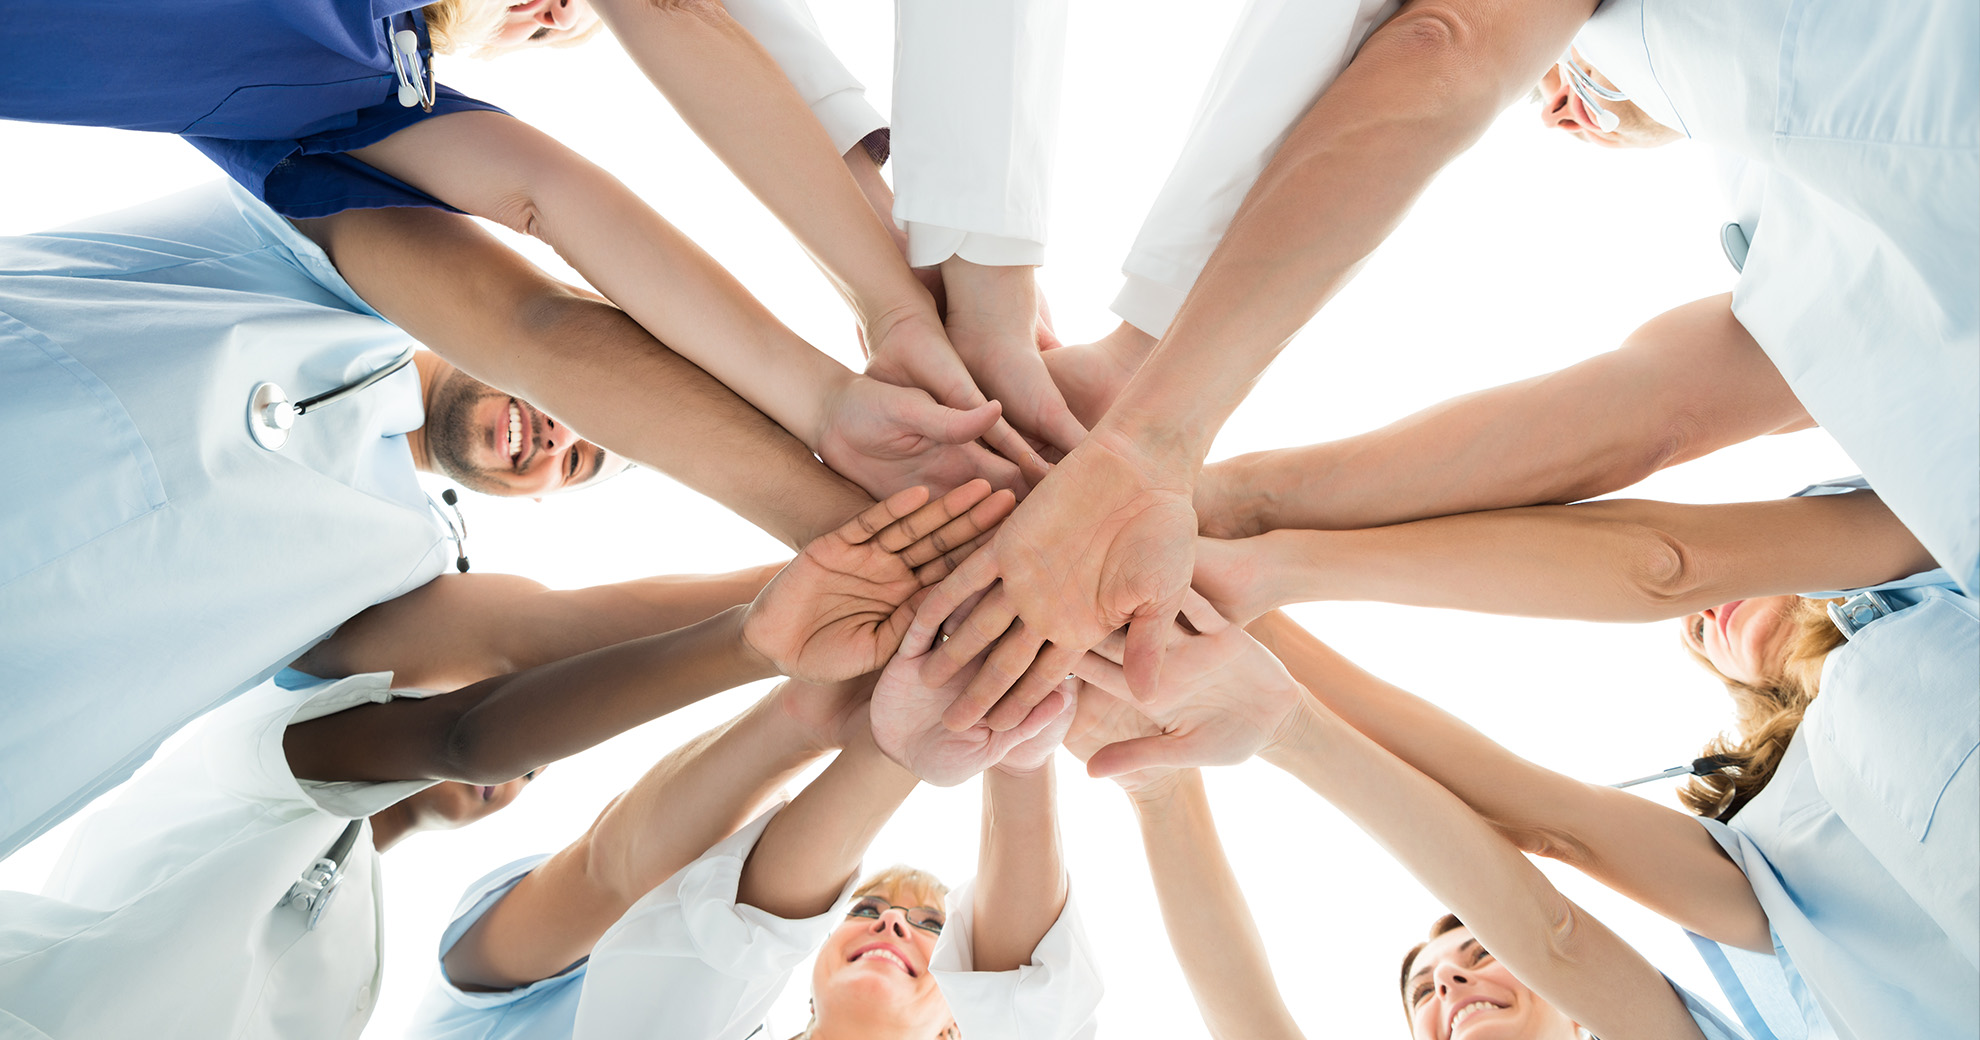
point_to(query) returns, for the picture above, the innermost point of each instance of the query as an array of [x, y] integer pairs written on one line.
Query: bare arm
[[1419, 92], [806, 854], [1210, 927], [1021, 883], [459, 629], [698, 794], [1656, 856], [453, 287], [1615, 560], [1558, 949], [1685, 384]]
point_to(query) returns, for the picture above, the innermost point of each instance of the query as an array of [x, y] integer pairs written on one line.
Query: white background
[[1532, 252]]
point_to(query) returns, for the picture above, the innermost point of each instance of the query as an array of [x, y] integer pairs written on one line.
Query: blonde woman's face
[[1458, 991], [542, 21], [876, 970], [1746, 640]]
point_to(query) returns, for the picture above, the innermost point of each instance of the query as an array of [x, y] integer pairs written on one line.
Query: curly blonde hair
[[1766, 715]]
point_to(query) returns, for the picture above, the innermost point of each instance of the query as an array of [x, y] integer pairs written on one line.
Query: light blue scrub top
[[542, 1010], [1864, 849], [154, 561], [1861, 280]]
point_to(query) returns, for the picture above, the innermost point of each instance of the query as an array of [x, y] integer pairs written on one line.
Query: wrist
[[826, 407], [1163, 794], [753, 660], [1296, 730]]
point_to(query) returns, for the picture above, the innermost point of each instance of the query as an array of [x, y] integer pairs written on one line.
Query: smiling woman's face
[[1746, 640], [1456, 990], [875, 971]]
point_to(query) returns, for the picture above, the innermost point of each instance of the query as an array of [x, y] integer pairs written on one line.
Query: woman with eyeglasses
[[688, 906]]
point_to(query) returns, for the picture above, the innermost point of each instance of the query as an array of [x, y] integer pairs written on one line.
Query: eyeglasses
[[1592, 94], [926, 918]]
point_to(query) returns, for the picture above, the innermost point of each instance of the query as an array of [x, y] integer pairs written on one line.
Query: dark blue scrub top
[[274, 91]]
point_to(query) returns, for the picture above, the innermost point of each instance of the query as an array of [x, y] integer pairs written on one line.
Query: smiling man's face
[[496, 444]]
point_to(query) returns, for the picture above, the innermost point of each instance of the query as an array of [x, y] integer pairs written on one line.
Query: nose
[[893, 920], [1555, 112], [556, 14], [1449, 977]]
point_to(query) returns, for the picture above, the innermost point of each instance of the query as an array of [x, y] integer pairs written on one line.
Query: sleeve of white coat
[[976, 113], [688, 962], [787, 30], [1280, 58], [1054, 997]]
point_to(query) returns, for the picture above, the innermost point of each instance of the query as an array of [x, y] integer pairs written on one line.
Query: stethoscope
[[271, 415], [313, 891], [415, 71]]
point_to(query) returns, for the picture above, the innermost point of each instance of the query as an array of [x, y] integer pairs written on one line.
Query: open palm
[[840, 608], [907, 721]]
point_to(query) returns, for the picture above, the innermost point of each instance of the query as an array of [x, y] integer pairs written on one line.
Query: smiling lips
[[1465, 1011], [1725, 619], [884, 952]]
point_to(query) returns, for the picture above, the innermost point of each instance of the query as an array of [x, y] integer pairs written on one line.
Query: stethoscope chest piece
[[270, 416], [1732, 239]]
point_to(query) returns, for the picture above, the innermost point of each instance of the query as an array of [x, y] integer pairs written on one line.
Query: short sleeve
[[1711, 1021], [1054, 997], [542, 1008], [687, 962], [243, 752], [312, 177]]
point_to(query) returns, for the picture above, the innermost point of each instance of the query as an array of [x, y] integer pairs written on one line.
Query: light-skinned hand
[[831, 715], [1105, 541], [1091, 375], [995, 323], [888, 438], [841, 608], [1232, 576], [907, 721], [1102, 719], [1224, 698], [918, 354]]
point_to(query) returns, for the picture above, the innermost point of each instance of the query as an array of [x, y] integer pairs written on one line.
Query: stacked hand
[[1224, 698], [1101, 543], [841, 608], [887, 438], [999, 326], [918, 355], [908, 704]]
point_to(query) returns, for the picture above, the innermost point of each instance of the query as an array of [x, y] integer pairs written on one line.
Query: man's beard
[[451, 431]]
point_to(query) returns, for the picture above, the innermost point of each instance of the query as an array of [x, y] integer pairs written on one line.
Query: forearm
[[1565, 955], [454, 287], [1211, 930], [735, 98], [694, 797], [501, 728], [806, 854], [1659, 857], [1419, 92], [1021, 870], [1615, 560], [499, 168], [1685, 384]]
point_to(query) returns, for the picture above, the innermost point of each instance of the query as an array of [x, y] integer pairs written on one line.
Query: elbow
[[1441, 45], [1570, 932], [1660, 572], [1539, 839]]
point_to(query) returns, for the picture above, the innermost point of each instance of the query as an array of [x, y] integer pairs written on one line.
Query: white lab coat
[[161, 917], [1860, 282], [1280, 58], [154, 561], [976, 112], [687, 962]]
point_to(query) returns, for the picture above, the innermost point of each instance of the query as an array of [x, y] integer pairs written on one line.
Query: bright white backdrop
[[1532, 252]]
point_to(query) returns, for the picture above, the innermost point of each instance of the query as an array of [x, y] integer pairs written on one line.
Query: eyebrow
[[597, 464]]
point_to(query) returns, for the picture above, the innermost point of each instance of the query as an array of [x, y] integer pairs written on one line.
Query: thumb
[[1127, 756], [1147, 644], [953, 425]]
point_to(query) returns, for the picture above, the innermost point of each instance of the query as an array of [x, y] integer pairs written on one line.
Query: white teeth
[[1466, 1012], [889, 955], [515, 430]]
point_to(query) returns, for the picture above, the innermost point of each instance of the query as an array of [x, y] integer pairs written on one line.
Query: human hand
[[1235, 577], [1035, 753], [830, 715], [1108, 539], [1224, 698], [915, 352], [1229, 501], [1091, 375], [994, 323], [907, 721], [840, 608], [1101, 719], [887, 438]]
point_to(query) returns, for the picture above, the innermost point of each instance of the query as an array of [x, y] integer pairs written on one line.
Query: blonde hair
[[921, 889], [1766, 713], [469, 26]]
